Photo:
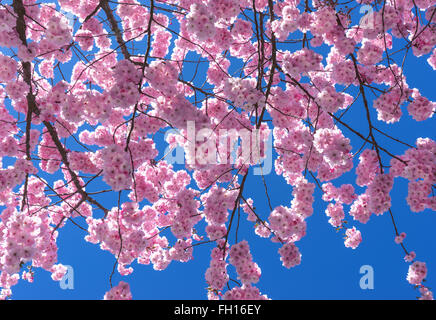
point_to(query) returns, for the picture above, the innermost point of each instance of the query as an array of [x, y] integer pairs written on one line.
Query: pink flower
[[289, 255], [399, 239], [120, 292], [417, 272], [353, 238], [410, 257]]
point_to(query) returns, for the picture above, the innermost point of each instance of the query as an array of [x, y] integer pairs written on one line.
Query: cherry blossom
[[149, 104]]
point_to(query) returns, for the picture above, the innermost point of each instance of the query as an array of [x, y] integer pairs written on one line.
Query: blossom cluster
[[117, 167], [125, 91], [368, 167], [334, 147], [119, 292], [301, 61], [421, 108], [201, 21], [243, 93], [287, 225], [353, 238], [417, 272], [378, 193], [420, 171], [290, 255], [127, 76], [216, 275], [240, 256], [8, 68], [246, 292]]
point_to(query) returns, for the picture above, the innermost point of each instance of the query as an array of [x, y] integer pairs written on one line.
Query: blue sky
[[328, 270]]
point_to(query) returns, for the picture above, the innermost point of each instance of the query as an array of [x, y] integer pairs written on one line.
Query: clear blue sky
[[328, 269]]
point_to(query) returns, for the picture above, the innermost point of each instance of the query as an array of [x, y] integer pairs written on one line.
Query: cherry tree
[[88, 87]]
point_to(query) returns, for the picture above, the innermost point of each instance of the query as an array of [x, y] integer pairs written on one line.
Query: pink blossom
[[120, 292], [353, 238], [417, 272]]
